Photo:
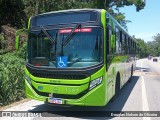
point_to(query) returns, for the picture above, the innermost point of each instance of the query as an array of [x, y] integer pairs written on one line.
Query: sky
[[145, 23]]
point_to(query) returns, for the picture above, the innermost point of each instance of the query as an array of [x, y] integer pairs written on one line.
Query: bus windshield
[[82, 49]]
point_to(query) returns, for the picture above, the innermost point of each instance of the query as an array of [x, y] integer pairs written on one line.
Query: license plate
[[55, 100]]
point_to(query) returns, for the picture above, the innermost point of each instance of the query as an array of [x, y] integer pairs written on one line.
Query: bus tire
[[131, 74], [117, 87], [132, 71]]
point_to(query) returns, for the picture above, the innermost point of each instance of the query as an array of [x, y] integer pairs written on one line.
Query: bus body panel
[[88, 99], [78, 92]]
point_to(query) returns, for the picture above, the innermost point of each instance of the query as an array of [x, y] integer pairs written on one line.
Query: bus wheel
[[117, 87], [132, 71], [131, 74]]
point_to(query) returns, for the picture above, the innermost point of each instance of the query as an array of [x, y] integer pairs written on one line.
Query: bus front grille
[[64, 96], [59, 76]]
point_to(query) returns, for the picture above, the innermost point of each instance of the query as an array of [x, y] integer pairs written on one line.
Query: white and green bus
[[77, 57]]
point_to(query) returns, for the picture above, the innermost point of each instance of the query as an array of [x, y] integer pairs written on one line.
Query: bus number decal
[[71, 90]]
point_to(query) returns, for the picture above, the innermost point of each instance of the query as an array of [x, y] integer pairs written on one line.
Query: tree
[[41, 6], [156, 44], [144, 48], [11, 12], [151, 47], [109, 4], [17, 12], [120, 3], [120, 17]]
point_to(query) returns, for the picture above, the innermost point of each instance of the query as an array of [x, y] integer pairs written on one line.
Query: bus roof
[[69, 10], [84, 10], [66, 17]]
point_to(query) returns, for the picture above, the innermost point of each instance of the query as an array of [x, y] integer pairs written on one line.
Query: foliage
[[21, 53], [11, 12], [120, 3], [144, 48], [33, 7], [17, 12], [11, 74], [122, 20], [149, 48], [155, 45], [120, 17], [11, 78], [2, 41]]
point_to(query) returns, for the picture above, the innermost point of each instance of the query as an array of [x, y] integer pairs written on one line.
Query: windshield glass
[[82, 49]]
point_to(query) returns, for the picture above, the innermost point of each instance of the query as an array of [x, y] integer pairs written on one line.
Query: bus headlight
[[95, 82], [28, 79]]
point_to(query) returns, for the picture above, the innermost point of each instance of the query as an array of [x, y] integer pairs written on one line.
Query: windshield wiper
[[49, 36], [69, 37]]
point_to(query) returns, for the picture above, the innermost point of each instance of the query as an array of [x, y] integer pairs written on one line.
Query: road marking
[[144, 96]]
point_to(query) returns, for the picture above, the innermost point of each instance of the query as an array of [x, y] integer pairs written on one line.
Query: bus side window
[[126, 48], [136, 51], [129, 47], [123, 43], [118, 44], [108, 46], [134, 47]]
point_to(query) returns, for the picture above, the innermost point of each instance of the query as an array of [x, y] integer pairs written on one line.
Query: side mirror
[[113, 40], [18, 34]]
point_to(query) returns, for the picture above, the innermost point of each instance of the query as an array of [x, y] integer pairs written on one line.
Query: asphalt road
[[141, 94]]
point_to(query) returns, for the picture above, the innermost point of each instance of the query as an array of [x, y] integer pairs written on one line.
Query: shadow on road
[[90, 112]]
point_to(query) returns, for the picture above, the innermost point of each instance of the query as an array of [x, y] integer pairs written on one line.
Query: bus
[[80, 57]]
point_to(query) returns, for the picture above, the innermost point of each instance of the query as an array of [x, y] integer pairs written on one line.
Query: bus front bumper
[[94, 97]]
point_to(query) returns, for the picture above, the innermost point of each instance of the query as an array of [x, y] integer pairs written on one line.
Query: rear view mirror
[[113, 40], [18, 34]]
